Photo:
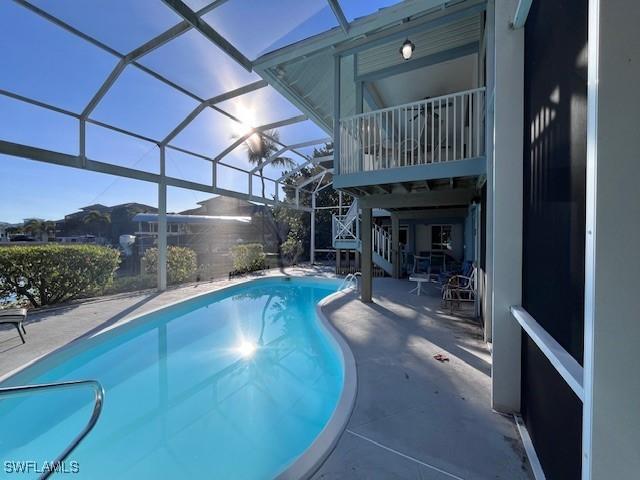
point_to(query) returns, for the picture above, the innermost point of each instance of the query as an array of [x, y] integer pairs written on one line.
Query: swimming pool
[[237, 384]]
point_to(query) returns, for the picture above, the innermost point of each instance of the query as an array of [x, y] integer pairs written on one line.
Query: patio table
[[419, 278]]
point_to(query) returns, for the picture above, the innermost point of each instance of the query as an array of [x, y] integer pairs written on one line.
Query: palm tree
[[97, 221], [261, 147], [39, 228]]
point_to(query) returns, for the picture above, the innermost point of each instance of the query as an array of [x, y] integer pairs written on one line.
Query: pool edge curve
[[317, 453], [306, 464]]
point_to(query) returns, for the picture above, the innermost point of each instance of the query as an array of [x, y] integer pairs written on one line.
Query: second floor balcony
[[435, 138]]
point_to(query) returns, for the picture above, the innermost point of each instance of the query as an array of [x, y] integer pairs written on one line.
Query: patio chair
[[465, 271], [15, 316], [459, 288]]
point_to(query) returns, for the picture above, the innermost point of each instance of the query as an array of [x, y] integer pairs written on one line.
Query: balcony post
[[336, 115], [313, 229], [507, 185], [367, 260], [488, 148], [395, 244]]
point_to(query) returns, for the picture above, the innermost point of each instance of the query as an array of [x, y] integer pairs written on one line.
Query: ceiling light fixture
[[407, 48]]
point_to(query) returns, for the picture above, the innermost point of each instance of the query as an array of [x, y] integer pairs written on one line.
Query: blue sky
[[44, 62]]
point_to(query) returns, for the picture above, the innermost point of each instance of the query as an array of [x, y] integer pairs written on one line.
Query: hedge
[[248, 258], [48, 274], [181, 263]]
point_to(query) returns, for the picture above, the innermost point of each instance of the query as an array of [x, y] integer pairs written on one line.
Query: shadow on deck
[[417, 417]]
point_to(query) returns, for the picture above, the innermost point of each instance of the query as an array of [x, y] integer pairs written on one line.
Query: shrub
[[131, 284], [292, 249], [248, 258], [181, 263], [48, 274]]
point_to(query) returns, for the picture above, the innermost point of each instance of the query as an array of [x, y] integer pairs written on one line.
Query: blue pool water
[[186, 394]]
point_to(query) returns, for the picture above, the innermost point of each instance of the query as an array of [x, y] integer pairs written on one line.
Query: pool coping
[[306, 464], [315, 455]]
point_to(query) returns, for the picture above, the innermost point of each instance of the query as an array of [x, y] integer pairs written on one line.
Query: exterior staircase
[[346, 236]]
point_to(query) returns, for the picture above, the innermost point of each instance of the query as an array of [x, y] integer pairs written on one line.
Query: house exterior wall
[[424, 236], [611, 424], [554, 159]]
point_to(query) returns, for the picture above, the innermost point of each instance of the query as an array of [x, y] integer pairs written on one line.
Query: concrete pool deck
[[414, 417]]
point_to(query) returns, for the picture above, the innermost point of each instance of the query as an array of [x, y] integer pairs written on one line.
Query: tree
[[97, 222], [260, 147], [40, 228], [296, 223]]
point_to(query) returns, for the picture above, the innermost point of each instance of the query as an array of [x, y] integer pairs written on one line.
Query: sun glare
[[247, 118], [246, 349]]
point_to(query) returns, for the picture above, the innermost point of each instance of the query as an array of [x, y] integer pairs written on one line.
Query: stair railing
[[381, 242], [346, 227]]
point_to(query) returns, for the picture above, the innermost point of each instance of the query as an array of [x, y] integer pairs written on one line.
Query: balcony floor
[[414, 416]]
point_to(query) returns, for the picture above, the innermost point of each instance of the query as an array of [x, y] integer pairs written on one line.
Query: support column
[[367, 260], [611, 418], [313, 229], [507, 187], [336, 116], [395, 244], [338, 260], [162, 225], [490, 93]]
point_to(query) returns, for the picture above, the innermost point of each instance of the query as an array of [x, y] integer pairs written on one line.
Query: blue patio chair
[[465, 270], [460, 288]]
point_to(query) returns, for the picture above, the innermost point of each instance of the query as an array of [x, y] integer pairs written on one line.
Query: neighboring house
[[3, 231], [212, 230], [121, 221]]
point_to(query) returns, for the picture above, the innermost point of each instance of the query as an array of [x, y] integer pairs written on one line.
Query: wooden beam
[[416, 200], [459, 168]]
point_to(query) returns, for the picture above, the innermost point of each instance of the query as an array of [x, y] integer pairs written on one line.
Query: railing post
[[313, 229], [395, 241], [336, 116], [367, 261]]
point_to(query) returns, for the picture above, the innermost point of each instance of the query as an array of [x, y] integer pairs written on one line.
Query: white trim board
[[532, 456], [562, 361]]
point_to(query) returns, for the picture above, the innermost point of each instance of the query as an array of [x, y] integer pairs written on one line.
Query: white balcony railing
[[442, 129]]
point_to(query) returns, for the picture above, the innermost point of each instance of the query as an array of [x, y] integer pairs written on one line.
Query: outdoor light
[[407, 48]]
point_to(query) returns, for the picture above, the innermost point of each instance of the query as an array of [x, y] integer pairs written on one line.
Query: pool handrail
[[22, 390]]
